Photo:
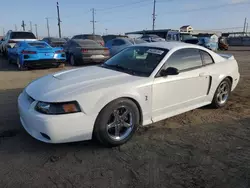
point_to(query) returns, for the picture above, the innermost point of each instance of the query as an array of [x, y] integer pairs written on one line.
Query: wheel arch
[[130, 98]]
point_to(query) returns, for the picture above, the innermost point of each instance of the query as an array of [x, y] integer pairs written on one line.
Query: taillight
[[11, 41], [84, 50], [28, 52], [106, 50], [59, 51]]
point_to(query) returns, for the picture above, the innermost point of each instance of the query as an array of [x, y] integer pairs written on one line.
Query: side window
[[184, 59], [207, 59]]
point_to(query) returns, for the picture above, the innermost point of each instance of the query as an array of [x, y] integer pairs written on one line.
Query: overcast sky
[[119, 16]]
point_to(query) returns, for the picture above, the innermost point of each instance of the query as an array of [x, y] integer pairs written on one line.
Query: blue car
[[33, 54]]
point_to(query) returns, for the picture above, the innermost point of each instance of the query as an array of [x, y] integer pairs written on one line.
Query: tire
[[21, 67], [10, 61], [107, 126], [61, 65], [72, 60], [220, 99]]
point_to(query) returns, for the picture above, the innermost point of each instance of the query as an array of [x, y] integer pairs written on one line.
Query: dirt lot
[[201, 148]]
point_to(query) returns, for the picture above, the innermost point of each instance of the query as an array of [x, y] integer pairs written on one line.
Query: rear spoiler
[[227, 56]]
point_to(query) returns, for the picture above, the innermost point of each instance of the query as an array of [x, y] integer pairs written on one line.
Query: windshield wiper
[[119, 67]]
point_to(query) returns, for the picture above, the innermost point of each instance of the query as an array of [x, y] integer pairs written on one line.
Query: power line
[[123, 5], [205, 8]]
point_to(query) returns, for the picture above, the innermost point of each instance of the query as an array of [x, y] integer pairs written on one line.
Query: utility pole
[[106, 31], [23, 25], [59, 20], [47, 19], [15, 27], [244, 28], [3, 32], [36, 31], [30, 26], [154, 16], [93, 20]]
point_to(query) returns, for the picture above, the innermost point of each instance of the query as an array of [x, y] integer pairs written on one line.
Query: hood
[[67, 85]]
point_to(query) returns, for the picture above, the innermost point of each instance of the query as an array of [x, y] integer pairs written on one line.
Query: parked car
[[55, 42], [107, 38], [152, 38], [32, 54], [81, 51], [12, 37], [118, 44], [97, 38], [141, 85]]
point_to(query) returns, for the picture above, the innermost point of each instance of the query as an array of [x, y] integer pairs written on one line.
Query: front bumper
[[56, 128]]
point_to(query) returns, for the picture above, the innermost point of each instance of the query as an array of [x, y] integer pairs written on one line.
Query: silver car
[[118, 44]]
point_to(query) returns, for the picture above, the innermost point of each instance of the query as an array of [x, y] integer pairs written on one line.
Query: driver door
[[175, 94]]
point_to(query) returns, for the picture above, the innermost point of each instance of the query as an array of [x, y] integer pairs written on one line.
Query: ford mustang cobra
[[142, 84]]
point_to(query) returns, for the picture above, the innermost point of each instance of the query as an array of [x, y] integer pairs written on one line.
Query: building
[[186, 29]]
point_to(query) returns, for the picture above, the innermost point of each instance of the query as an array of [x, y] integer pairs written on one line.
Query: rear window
[[93, 37], [22, 35], [88, 43], [38, 45], [57, 40]]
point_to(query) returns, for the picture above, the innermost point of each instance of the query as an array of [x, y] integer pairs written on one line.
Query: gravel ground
[[201, 148]]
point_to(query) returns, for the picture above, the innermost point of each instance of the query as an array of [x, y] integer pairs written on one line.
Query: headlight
[[58, 108]]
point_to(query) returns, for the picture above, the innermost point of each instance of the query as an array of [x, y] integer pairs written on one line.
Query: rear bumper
[[93, 60], [43, 63]]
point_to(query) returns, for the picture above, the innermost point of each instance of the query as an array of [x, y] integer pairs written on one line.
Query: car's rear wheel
[[10, 61], [20, 66], [222, 94], [72, 60], [117, 122]]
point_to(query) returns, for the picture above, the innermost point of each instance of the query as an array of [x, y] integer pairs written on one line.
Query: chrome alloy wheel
[[120, 123], [223, 93]]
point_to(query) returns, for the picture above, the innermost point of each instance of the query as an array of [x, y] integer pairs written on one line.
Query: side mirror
[[169, 71], [8, 46]]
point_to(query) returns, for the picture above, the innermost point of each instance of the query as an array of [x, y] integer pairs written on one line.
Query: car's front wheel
[[117, 122], [222, 93]]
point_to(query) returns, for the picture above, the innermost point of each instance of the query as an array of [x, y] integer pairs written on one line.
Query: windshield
[[22, 35], [137, 60]]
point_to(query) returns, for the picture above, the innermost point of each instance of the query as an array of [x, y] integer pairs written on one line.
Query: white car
[[142, 84]]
